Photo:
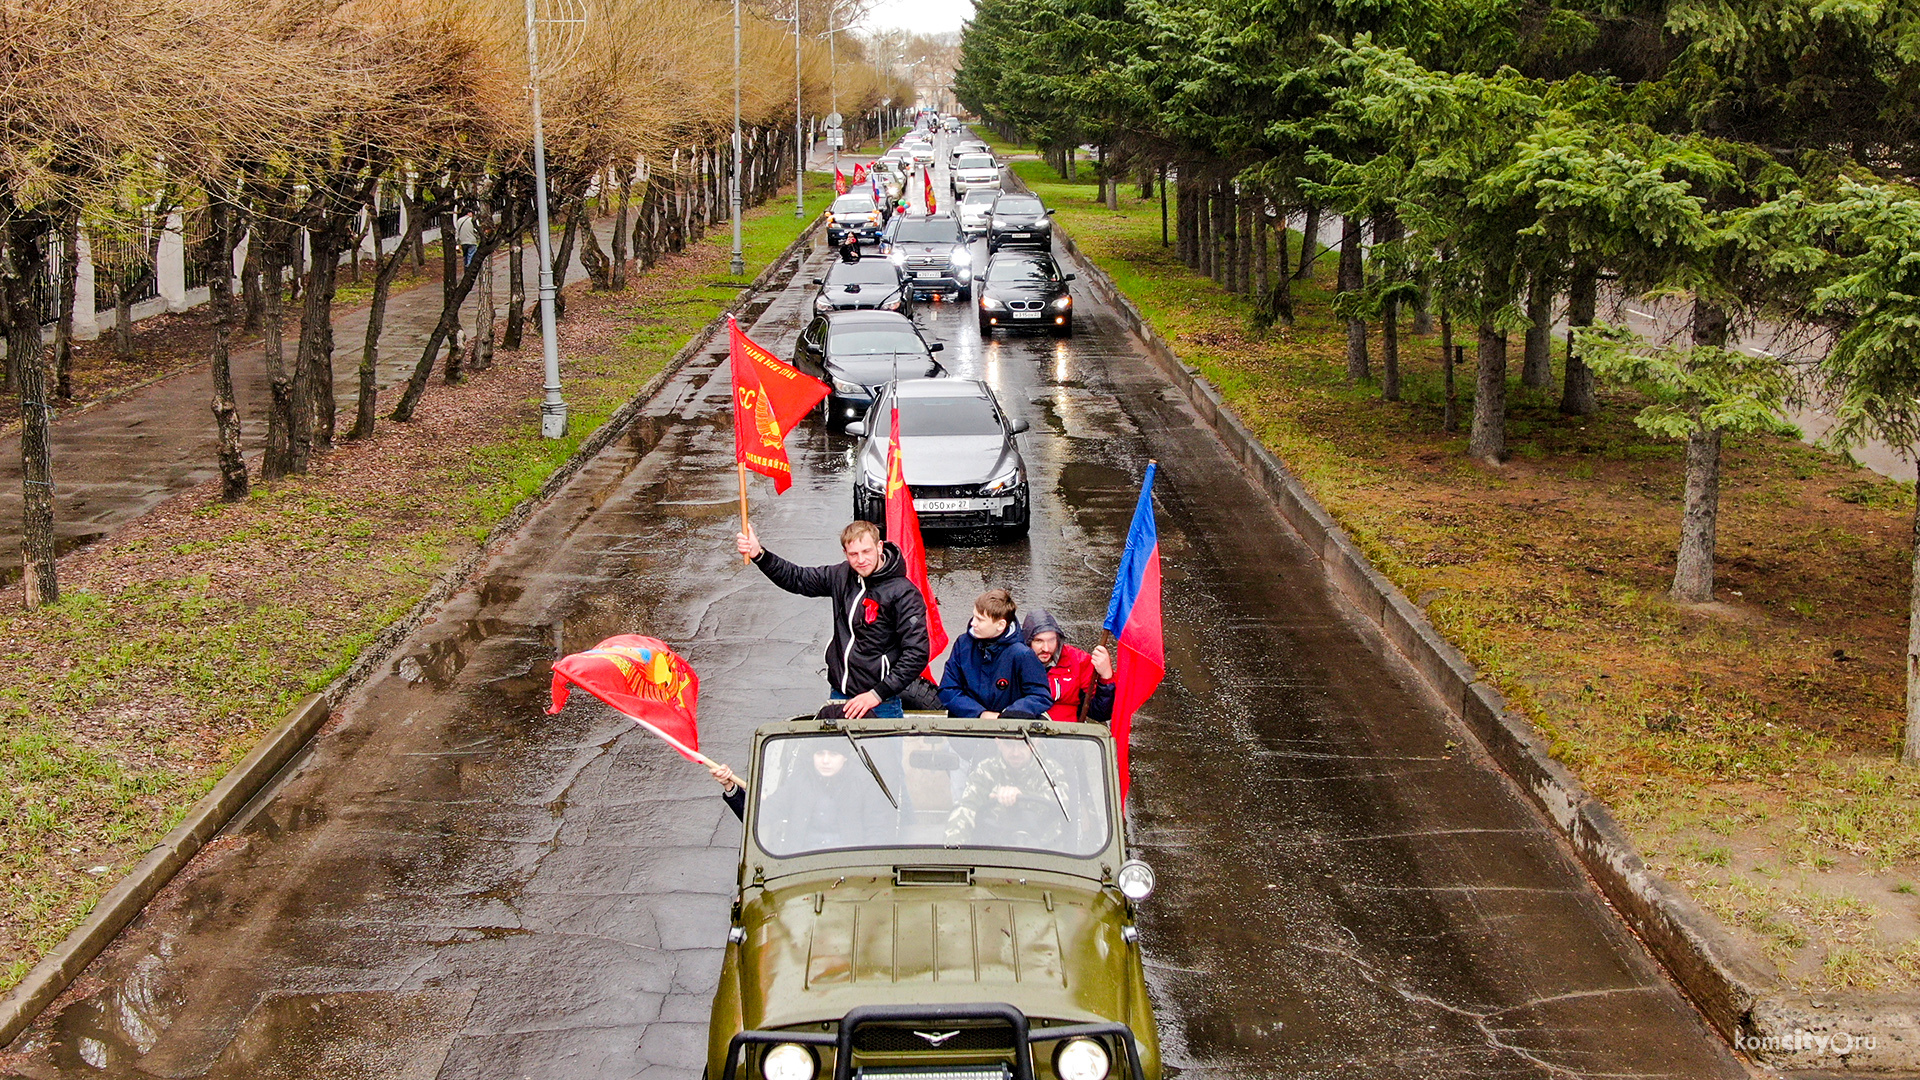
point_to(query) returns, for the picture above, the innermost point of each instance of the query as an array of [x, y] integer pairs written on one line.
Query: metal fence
[[197, 229], [121, 263], [390, 223]]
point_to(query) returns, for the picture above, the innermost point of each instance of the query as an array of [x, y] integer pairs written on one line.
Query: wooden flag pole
[[742, 467]]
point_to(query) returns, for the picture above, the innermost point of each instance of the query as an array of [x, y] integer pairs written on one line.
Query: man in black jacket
[[879, 641]]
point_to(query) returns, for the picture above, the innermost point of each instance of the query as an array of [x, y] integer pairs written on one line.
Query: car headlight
[[890, 304], [1077, 1059], [1062, 303], [1135, 880], [961, 258], [990, 304], [842, 386], [1008, 482], [821, 303], [898, 258], [791, 1061]]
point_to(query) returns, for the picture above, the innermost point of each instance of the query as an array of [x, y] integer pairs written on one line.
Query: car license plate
[[954, 506], [926, 273], [1021, 235], [1028, 314]]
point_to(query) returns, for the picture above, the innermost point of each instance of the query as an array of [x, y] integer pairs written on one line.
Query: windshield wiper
[[867, 760], [1051, 786]]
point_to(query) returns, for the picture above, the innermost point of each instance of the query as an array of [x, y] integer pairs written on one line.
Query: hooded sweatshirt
[[879, 621], [1078, 692], [999, 675]]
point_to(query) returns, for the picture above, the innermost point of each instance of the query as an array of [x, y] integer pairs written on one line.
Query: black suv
[[868, 283], [932, 253], [857, 352], [1019, 221], [1025, 289]]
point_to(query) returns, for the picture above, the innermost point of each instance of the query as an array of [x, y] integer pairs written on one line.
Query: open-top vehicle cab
[[932, 898]]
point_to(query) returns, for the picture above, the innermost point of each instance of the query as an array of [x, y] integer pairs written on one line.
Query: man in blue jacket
[[991, 672]]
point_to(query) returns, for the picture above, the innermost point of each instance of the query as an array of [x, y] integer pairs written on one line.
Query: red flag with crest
[[769, 397], [643, 680], [839, 181], [931, 207], [903, 528]]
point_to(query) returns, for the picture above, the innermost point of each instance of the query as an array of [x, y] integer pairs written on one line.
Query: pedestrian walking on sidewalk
[[466, 233], [879, 640]]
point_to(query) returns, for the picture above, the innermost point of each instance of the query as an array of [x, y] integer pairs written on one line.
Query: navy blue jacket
[[1001, 675]]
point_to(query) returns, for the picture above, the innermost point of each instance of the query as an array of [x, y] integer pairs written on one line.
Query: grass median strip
[[181, 639], [1749, 745]]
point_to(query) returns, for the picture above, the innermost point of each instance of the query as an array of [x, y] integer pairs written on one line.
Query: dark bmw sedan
[[958, 455], [1025, 289], [869, 283], [1019, 221], [857, 352]]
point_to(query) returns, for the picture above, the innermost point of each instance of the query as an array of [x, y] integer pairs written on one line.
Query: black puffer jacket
[[879, 621]]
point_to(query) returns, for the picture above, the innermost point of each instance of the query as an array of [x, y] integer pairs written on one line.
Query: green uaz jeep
[[934, 899]]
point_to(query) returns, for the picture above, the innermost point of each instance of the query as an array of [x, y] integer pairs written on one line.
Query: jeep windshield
[[944, 791]]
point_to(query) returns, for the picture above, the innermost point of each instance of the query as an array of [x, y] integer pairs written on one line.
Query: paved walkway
[[119, 459]]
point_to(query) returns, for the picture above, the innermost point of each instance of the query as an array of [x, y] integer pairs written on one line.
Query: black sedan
[[1019, 221], [957, 453], [1025, 289], [856, 352], [869, 283]]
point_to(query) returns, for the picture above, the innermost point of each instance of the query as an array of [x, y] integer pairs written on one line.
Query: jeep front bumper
[[1017, 1059]]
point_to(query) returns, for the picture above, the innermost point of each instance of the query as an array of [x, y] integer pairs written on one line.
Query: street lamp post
[[736, 263], [799, 133], [553, 409]]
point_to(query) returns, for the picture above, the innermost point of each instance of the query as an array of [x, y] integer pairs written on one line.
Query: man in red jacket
[[1082, 682]]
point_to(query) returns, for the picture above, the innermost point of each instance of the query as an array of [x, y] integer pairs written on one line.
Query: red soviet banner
[[769, 397], [642, 679]]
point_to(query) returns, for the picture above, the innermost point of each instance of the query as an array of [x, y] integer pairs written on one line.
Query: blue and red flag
[[1133, 618]]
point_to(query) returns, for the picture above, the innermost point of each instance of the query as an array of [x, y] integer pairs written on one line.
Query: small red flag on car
[[839, 181], [769, 397], [643, 680], [931, 207], [903, 528]]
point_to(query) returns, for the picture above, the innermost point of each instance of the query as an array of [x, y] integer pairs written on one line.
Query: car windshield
[[853, 204], [864, 272], [976, 161], [1017, 205], [877, 343], [1031, 270], [955, 415], [817, 793], [980, 197], [940, 230]]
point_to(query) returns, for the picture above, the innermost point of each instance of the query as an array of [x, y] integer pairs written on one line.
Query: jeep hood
[[814, 953]]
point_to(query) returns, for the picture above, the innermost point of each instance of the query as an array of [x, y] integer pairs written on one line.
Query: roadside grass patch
[[1748, 745], [181, 639]]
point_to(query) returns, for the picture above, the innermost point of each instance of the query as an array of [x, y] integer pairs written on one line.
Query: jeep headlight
[[1077, 1059], [842, 386], [791, 1061], [1135, 880], [1005, 483]]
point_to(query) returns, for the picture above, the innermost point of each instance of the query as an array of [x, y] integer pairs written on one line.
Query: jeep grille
[[875, 1039]]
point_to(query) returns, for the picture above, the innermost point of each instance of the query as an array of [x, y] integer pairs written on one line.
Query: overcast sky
[[924, 16]]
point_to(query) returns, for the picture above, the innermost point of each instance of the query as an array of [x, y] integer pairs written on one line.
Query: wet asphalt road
[[452, 885]]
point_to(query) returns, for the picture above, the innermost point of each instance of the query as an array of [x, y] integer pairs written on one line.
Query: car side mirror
[[819, 281], [857, 429], [1069, 277], [1018, 426], [937, 346]]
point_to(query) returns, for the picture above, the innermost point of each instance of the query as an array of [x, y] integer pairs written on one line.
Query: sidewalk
[[119, 459]]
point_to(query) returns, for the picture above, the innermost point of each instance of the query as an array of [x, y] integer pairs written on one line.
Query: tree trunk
[[1450, 416], [1203, 227], [483, 320], [1352, 279], [1280, 297], [1257, 226], [449, 319], [1910, 747], [1309, 237], [1693, 563], [1536, 368], [1579, 398], [226, 414], [619, 274], [599, 267], [516, 294], [417, 229], [123, 317], [314, 405], [69, 285], [25, 346], [278, 459], [450, 274], [1387, 229], [251, 297], [1488, 439], [562, 259], [366, 409]]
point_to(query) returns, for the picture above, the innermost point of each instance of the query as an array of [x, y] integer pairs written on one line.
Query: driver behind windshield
[[1008, 802], [827, 800]]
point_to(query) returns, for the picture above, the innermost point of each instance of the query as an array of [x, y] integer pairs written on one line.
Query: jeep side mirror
[[857, 428]]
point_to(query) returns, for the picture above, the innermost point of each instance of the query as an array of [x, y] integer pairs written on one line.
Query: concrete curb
[[1727, 980], [57, 970]]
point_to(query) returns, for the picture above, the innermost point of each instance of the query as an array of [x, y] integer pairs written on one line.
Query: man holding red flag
[[903, 525], [1133, 618], [769, 397]]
